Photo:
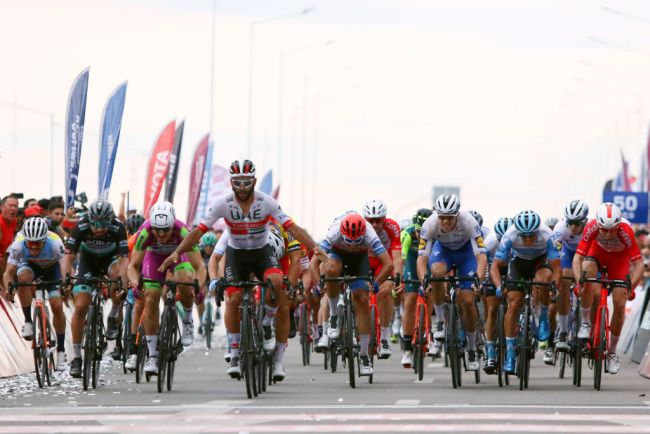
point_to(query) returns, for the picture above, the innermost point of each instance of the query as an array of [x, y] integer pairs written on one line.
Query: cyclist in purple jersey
[[158, 237]]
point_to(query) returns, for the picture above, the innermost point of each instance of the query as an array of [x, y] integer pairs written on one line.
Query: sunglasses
[[351, 241], [242, 183], [372, 221], [34, 244], [574, 222], [447, 218], [100, 224], [163, 230], [529, 236]]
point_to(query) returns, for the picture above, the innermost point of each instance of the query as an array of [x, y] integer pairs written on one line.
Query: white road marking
[[409, 402]]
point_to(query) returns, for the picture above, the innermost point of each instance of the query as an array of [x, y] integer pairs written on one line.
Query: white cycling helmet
[[608, 215], [242, 168], [447, 204], [162, 215], [576, 210], [276, 241], [374, 209], [35, 229]]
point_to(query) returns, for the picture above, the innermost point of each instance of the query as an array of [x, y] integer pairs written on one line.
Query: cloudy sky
[[523, 104]]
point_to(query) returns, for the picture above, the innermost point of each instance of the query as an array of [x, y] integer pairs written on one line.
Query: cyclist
[[551, 222], [206, 246], [159, 236], [388, 231], [133, 224], [490, 299], [453, 237], [533, 256], [479, 219], [566, 236], [99, 239], [36, 254], [347, 243], [607, 241], [410, 238], [247, 213]]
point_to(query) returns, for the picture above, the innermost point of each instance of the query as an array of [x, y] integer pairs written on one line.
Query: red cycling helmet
[[353, 226]]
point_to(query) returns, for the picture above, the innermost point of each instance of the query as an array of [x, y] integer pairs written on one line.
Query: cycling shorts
[[411, 273], [525, 269], [240, 263], [93, 266], [566, 257], [463, 258], [50, 273], [617, 263], [357, 264]]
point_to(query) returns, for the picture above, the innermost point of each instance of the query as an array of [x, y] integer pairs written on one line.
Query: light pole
[[251, 50], [283, 56]]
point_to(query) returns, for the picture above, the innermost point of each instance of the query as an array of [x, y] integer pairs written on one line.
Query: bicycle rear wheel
[[600, 348], [48, 361], [522, 362], [501, 344], [349, 344], [420, 342]]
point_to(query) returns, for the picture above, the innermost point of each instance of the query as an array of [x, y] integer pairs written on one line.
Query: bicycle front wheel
[[164, 337], [89, 348], [522, 362], [37, 347], [420, 342], [304, 334], [349, 344], [207, 324], [601, 347], [452, 340], [246, 351], [501, 343]]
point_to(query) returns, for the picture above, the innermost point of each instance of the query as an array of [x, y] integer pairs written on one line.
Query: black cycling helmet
[[421, 216], [134, 222], [100, 210]]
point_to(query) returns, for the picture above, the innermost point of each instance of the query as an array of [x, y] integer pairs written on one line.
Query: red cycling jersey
[[389, 235], [615, 252]]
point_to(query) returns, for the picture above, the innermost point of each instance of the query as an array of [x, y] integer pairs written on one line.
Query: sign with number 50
[[633, 206]]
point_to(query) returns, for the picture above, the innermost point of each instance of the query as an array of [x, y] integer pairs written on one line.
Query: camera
[[17, 195], [81, 198]]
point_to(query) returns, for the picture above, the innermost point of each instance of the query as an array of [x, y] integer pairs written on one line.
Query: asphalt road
[[204, 399]]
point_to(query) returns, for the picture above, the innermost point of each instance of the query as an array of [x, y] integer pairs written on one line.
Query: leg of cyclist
[[116, 271], [282, 326], [515, 302], [386, 306], [138, 307], [589, 292], [25, 294], [544, 275], [82, 299], [184, 273], [114, 315], [491, 305], [231, 322], [333, 269], [396, 323], [619, 299], [200, 307], [151, 324], [362, 316], [563, 307], [408, 323], [58, 319], [439, 267], [467, 266], [323, 322]]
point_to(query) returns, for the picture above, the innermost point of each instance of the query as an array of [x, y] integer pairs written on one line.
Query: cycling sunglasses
[[530, 235], [164, 230], [242, 183], [574, 222], [34, 244], [351, 241], [100, 224], [375, 220]]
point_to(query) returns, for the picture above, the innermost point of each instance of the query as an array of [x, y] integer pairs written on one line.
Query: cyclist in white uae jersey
[[453, 237], [533, 256], [247, 214], [348, 242]]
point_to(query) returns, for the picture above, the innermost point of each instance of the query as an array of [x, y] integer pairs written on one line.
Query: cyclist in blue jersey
[[533, 256], [36, 254], [451, 237]]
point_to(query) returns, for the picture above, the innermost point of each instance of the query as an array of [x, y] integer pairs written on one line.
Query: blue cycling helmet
[[527, 222], [502, 225]]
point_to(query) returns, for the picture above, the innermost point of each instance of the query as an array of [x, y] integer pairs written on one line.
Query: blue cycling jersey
[[51, 253], [512, 242]]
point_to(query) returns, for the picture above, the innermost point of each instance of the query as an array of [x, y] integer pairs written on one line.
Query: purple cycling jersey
[[146, 240]]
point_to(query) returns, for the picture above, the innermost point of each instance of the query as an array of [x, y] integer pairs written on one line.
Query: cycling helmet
[[242, 168], [551, 222], [374, 209], [608, 215], [35, 229], [502, 225], [477, 216], [208, 239], [100, 210], [527, 222], [162, 215], [276, 241], [421, 216], [134, 222], [447, 204], [576, 210], [353, 227]]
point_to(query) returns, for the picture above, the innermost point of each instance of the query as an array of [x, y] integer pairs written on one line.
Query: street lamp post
[[251, 50]]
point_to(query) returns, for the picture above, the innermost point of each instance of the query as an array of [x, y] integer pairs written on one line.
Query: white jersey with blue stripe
[[562, 236], [491, 244], [466, 230], [51, 253], [334, 239], [511, 242]]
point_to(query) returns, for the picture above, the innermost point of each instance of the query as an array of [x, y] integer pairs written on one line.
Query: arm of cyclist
[[495, 272], [135, 264], [386, 268], [186, 245], [301, 235], [637, 275], [294, 266], [7, 277], [481, 266]]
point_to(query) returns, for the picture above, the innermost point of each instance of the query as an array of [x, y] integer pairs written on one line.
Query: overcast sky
[[523, 104]]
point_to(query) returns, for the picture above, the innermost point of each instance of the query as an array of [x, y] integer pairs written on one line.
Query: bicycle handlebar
[[171, 283], [91, 280], [453, 279], [345, 279], [36, 283], [607, 282]]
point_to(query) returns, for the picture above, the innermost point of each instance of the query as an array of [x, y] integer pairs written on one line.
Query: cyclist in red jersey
[[388, 231], [607, 242]]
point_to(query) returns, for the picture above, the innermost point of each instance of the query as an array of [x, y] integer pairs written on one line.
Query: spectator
[[55, 217], [29, 202], [8, 225], [44, 203], [641, 235], [34, 211]]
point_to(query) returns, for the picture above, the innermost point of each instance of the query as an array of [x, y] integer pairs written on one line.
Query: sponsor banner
[[109, 136], [174, 161], [158, 165], [205, 185], [74, 131], [196, 177], [633, 206]]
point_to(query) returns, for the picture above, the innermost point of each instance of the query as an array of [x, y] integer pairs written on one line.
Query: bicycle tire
[[304, 336], [207, 324], [562, 357], [89, 348], [453, 349], [333, 356], [522, 356], [48, 354], [372, 344], [126, 335], [245, 350], [599, 352], [141, 354], [37, 347], [326, 358], [501, 344], [349, 343], [420, 343], [100, 345], [171, 364], [164, 336]]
